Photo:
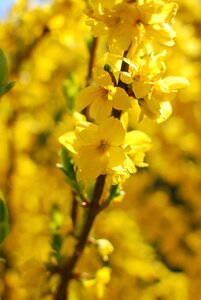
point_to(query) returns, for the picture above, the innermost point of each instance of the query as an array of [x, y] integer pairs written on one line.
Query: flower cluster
[[133, 78]]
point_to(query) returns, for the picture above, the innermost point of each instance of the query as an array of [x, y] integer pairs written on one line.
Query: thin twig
[[124, 68], [74, 210], [69, 265], [91, 60]]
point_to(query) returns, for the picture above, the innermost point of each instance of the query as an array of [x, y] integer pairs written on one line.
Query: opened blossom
[[128, 22], [104, 149], [156, 104], [103, 98]]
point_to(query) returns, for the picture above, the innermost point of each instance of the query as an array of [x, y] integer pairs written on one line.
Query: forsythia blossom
[[104, 149], [125, 22], [102, 98], [105, 248], [100, 281]]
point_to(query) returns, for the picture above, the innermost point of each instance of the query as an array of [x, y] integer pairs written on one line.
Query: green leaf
[[114, 192], [67, 164], [4, 221], [3, 68], [5, 88], [56, 245], [56, 242], [56, 218], [67, 167]]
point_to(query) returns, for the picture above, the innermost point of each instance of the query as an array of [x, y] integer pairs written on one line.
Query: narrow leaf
[[3, 68], [4, 221]]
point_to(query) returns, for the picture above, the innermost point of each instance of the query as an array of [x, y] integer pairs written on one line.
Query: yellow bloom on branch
[[102, 149], [102, 98], [156, 105], [128, 22]]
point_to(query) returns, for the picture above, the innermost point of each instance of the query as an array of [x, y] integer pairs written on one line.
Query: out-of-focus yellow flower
[[137, 150], [155, 105], [102, 278], [105, 248]]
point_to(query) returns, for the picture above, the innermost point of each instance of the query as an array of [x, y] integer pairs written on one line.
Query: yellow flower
[[101, 149], [100, 281], [103, 98], [156, 104], [97, 148], [143, 73], [139, 143], [125, 22], [105, 248]]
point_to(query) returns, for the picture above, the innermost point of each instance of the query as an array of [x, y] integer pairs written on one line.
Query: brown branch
[[74, 210], [90, 68], [26, 52], [124, 68], [91, 60], [69, 265]]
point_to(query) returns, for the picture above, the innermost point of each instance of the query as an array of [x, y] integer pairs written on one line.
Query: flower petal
[[166, 15], [138, 139], [102, 77], [121, 100], [100, 110], [117, 157], [176, 82], [67, 140], [91, 163], [86, 97], [141, 89], [88, 136], [112, 131]]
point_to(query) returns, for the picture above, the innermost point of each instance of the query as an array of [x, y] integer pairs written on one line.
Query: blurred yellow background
[[156, 228]]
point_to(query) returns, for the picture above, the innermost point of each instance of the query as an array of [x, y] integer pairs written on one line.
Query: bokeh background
[[156, 228]]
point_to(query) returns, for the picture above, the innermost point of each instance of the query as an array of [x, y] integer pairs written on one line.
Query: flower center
[[104, 93], [140, 25], [136, 77], [103, 147]]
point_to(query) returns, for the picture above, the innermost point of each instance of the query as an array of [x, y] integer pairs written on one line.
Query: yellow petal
[[166, 15], [67, 140], [91, 163], [176, 82], [138, 159], [129, 165], [103, 275], [112, 131], [88, 136], [100, 110], [126, 77], [166, 111], [86, 97], [97, 28], [117, 157], [138, 139], [141, 89], [102, 77], [163, 33], [121, 100]]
